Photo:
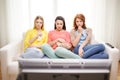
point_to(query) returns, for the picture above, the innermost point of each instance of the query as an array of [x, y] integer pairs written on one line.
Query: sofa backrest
[[93, 40]]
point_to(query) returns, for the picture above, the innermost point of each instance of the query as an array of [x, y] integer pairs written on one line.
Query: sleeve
[[68, 39], [72, 35], [89, 32], [27, 38], [46, 37], [68, 44], [49, 36]]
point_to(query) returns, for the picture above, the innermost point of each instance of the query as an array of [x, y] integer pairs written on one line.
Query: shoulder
[[51, 32], [66, 32], [89, 30], [29, 32]]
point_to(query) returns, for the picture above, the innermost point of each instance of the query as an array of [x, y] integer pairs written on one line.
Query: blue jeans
[[94, 51], [32, 53]]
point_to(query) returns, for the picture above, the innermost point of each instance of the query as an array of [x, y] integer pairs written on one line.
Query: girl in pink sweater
[[59, 41]]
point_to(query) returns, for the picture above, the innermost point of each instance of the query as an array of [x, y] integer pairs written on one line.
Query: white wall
[[17, 20], [3, 32], [44, 8], [113, 22]]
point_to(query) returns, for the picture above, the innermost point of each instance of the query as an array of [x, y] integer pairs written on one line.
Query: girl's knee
[[59, 50], [102, 47]]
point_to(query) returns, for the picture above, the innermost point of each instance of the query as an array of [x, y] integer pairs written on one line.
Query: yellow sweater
[[32, 33]]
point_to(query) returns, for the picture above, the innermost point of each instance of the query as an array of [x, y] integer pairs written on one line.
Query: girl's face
[[38, 24], [79, 22], [59, 25]]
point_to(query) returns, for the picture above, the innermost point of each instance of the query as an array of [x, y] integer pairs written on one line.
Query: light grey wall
[[14, 20], [112, 27], [3, 22], [117, 31]]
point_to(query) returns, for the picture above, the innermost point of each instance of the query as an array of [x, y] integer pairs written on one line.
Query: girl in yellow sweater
[[34, 38]]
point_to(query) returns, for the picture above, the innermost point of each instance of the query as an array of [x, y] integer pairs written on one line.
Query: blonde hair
[[39, 17]]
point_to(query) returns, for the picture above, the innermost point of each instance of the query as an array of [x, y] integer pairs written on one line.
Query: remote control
[[109, 45]]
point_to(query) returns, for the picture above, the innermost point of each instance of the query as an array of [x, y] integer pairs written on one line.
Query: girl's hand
[[59, 44], [80, 29], [80, 52], [39, 36], [61, 40]]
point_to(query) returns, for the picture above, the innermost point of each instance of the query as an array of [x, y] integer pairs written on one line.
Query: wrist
[[59, 45], [81, 48]]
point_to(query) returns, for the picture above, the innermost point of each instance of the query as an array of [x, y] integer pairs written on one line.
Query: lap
[[32, 53]]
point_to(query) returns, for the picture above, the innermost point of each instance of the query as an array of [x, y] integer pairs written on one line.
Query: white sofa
[[10, 66]]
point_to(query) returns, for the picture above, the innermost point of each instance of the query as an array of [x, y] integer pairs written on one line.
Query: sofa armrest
[[114, 57], [113, 52], [7, 53]]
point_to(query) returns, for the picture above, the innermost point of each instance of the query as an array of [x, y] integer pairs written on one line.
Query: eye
[[57, 23], [77, 21], [37, 22], [60, 23], [81, 21], [41, 22]]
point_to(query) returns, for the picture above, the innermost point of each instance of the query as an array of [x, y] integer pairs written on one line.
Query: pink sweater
[[53, 35]]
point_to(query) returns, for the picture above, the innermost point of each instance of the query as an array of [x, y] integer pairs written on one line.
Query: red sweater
[[53, 35]]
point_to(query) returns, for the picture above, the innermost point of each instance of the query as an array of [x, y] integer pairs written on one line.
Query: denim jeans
[[93, 51], [32, 53]]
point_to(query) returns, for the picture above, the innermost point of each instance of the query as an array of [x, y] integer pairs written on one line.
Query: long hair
[[79, 16], [39, 17], [60, 18]]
